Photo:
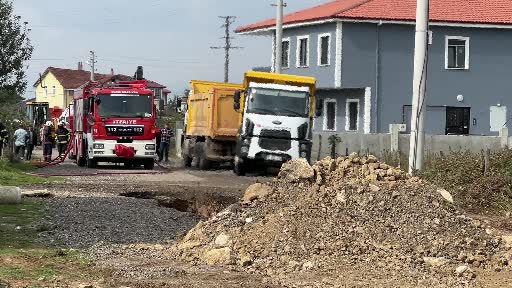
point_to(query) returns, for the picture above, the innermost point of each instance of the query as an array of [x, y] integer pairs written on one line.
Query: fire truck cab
[[115, 123]]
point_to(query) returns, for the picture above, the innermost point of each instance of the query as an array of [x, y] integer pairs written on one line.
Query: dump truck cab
[[276, 114]]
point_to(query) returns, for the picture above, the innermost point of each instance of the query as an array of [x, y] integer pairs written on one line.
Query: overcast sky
[[170, 38]]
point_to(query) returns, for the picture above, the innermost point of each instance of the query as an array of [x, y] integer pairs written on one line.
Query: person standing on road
[[165, 143], [62, 139], [31, 143], [4, 137], [20, 142], [48, 141]]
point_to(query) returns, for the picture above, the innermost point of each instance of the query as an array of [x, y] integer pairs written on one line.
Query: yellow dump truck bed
[[210, 110]]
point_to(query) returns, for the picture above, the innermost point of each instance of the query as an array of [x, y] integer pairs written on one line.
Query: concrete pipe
[[10, 195]]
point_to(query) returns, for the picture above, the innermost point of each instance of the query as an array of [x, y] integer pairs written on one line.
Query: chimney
[[112, 71], [80, 66]]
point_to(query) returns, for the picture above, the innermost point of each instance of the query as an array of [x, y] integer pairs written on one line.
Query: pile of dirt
[[344, 214]]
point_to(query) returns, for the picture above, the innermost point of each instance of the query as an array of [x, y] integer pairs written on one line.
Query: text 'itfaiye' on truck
[[115, 123], [262, 123]]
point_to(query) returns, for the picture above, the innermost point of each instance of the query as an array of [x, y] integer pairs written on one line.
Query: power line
[[227, 47]]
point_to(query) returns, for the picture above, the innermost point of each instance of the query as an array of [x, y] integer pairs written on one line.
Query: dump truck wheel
[[239, 168], [187, 160], [203, 163]]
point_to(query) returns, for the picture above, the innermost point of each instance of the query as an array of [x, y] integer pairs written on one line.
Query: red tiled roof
[[167, 91], [74, 79], [68, 78], [455, 11], [153, 84]]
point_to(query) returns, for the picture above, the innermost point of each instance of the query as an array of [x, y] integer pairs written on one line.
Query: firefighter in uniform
[[63, 136], [48, 141]]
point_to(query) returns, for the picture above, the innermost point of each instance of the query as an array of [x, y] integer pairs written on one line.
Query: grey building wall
[[324, 74], [485, 83], [341, 96]]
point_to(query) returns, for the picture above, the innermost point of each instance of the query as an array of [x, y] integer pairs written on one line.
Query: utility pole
[[92, 64], [419, 88], [227, 46], [279, 37]]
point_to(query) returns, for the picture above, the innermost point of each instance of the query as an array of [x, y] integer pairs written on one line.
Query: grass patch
[[23, 260], [15, 174], [461, 172], [18, 224], [14, 272]]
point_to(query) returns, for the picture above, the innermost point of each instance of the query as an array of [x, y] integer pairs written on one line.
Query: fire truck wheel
[[81, 161], [149, 165], [91, 163]]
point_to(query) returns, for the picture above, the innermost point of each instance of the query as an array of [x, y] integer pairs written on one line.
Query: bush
[[462, 173]]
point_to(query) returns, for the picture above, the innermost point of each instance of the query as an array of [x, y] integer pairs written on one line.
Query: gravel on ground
[[80, 222]]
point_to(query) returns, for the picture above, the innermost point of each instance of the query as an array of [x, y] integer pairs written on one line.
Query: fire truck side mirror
[[236, 103]]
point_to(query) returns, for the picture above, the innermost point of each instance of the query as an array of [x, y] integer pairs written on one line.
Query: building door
[[457, 120], [498, 118]]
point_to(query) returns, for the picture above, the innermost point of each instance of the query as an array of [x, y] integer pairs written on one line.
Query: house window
[[324, 49], [457, 53], [303, 51], [286, 54], [330, 111], [45, 91], [53, 90], [352, 115]]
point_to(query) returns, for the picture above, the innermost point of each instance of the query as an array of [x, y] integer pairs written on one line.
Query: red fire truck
[[115, 123]]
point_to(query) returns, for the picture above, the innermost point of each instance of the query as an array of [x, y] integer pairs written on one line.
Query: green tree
[[15, 49]]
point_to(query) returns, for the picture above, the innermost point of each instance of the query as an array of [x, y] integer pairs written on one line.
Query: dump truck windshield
[[278, 102], [124, 106]]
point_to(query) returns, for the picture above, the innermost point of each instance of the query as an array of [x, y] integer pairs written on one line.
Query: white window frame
[[319, 49], [289, 50], [297, 52], [326, 101], [54, 90], [45, 91], [466, 61], [347, 115]]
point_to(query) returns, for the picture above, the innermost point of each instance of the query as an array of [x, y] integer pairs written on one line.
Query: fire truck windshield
[[124, 106]]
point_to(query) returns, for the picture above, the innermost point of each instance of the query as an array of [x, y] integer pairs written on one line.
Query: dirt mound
[[349, 214]]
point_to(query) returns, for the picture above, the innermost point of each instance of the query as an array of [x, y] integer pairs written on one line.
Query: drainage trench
[[203, 204]]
